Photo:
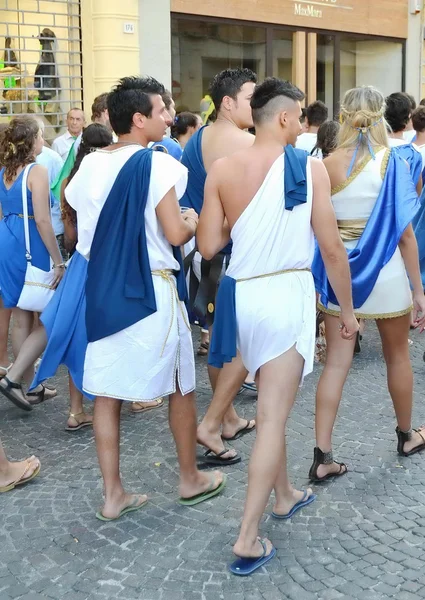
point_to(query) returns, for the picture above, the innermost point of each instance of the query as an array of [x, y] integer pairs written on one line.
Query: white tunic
[[274, 313], [355, 200], [142, 362]]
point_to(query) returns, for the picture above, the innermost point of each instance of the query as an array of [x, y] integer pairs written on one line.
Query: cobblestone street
[[362, 538]]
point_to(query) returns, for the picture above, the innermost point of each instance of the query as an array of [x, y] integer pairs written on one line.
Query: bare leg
[[277, 387], [229, 380], [394, 335], [23, 321], [31, 348], [182, 419], [107, 416], [5, 314], [339, 356], [76, 407], [286, 495], [12, 471]]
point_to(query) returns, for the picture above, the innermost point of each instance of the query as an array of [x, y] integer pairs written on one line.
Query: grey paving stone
[[361, 539]]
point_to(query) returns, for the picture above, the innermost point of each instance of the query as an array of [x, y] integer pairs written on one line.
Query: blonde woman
[[374, 200]]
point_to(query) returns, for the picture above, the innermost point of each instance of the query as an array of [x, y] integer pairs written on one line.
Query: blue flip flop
[[303, 502], [246, 566]]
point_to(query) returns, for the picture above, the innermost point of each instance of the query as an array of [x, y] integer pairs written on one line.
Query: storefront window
[[200, 50], [325, 70], [282, 54], [366, 62], [40, 59]]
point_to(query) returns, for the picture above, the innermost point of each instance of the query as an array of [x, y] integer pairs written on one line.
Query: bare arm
[[419, 186], [178, 228], [331, 247], [38, 183], [213, 230], [409, 251], [69, 226]]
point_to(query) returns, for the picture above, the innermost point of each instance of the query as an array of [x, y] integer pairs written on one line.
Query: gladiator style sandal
[[406, 436], [325, 458]]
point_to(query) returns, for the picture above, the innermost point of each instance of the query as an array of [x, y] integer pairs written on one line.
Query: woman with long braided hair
[[375, 201]]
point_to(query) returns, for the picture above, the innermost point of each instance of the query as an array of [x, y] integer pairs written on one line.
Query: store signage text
[[312, 8]]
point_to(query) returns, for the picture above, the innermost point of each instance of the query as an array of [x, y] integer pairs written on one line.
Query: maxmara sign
[[315, 9], [368, 17]]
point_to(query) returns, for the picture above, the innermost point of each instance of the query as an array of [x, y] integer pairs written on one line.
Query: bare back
[[223, 139], [240, 176]]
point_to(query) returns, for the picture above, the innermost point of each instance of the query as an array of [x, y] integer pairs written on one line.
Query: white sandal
[[5, 370]]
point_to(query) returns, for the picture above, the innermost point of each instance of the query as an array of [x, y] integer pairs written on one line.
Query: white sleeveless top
[[278, 312], [355, 200]]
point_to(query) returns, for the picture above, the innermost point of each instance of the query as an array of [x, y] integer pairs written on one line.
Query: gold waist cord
[[351, 229], [168, 276]]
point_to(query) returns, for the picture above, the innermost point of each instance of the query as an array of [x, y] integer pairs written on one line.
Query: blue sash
[[413, 159], [197, 175], [119, 289], [223, 342], [394, 209], [419, 229]]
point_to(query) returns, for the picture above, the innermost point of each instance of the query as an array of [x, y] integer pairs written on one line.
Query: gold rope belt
[[272, 274], [351, 229], [168, 275], [22, 217]]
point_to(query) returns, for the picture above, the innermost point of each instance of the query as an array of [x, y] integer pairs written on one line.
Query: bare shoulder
[[318, 171], [36, 172]]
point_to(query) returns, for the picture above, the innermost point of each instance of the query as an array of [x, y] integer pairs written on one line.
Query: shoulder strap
[[25, 211]]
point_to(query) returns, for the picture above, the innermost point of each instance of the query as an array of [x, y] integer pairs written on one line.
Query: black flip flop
[[7, 392], [211, 459], [240, 432]]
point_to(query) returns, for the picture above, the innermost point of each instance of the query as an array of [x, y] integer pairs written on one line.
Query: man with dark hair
[[398, 113], [266, 301], [315, 114], [140, 346], [418, 122], [409, 133], [231, 91], [99, 110], [168, 144]]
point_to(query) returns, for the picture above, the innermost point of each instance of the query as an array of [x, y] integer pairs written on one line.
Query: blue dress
[[64, 320], [13, 263]]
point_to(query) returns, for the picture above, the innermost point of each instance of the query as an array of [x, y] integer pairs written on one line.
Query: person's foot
[[244, 549], [77, 421], [284, 505], [200, 484], [114, 505], [15, 470], [140, 407], [331, 469], [230, 430], [417, 439], [17, 392], [213, 441]]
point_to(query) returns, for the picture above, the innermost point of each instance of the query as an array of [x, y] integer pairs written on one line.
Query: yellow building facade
[[56, 54]]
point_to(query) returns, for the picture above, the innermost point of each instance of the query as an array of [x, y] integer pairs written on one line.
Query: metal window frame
[[68, 60], [271, 27]]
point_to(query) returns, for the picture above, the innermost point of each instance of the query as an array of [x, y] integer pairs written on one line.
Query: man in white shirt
[[75, 122], [316, 114], [53, 163]]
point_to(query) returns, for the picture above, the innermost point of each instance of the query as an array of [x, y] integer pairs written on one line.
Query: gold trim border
[[43, 285], [366, 316]]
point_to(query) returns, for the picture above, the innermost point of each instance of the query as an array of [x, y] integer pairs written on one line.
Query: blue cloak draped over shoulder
[[197, 175], [119, 288], [394, 210], [419, 229], [223, 342], [413, 159]]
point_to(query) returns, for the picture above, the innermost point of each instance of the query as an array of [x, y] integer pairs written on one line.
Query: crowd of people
[[252, 227]]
